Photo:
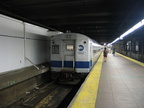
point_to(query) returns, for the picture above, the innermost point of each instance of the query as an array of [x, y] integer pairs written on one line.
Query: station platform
[[117, 83]]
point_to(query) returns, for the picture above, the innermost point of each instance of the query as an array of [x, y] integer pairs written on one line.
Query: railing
[[33, 64]]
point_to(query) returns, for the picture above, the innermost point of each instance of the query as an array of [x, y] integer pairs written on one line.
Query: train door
[[68, 61]]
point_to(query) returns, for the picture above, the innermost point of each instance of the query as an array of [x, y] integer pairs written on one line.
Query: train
[[73, 55]]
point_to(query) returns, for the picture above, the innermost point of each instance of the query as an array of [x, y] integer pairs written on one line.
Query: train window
[[55, 49], [69, 47], [94, 52]]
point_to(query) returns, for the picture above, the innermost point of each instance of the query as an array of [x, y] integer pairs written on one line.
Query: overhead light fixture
[[117, 39], [60, 32], [138, 25]]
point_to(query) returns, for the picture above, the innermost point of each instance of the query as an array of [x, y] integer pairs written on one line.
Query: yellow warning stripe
[[87, 94], [135, 61]]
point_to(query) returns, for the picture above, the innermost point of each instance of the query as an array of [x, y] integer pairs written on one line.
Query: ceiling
[[101, 20]]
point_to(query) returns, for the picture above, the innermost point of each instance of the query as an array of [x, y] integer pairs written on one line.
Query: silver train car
[[73, 53]]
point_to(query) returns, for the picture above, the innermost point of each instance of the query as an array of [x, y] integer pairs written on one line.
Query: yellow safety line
[[135, 61], [87, 94]]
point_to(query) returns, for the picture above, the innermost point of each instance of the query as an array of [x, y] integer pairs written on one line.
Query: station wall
[[20, 40]]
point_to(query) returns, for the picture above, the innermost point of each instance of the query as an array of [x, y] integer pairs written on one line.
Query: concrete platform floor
[[121, 84]]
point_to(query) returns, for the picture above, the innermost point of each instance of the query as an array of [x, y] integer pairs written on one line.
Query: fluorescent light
[[60, 32], [138, 25], [115, 40], [104, 43], [109, 45]]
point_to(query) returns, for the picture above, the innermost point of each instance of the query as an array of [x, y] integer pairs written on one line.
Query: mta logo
[[81, 47]]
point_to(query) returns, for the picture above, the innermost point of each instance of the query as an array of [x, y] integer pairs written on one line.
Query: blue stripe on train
[[68, 63], [56, 63], [82, 64], [78, 64]]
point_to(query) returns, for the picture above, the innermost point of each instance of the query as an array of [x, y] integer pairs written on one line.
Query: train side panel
[[56, 59], [83, 58]]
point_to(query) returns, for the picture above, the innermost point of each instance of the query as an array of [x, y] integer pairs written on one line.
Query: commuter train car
[[73, 53]]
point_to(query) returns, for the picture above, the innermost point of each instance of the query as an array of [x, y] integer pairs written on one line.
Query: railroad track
[[47, 96]]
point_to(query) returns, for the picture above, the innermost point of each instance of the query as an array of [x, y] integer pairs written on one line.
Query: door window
[[69, 47]]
